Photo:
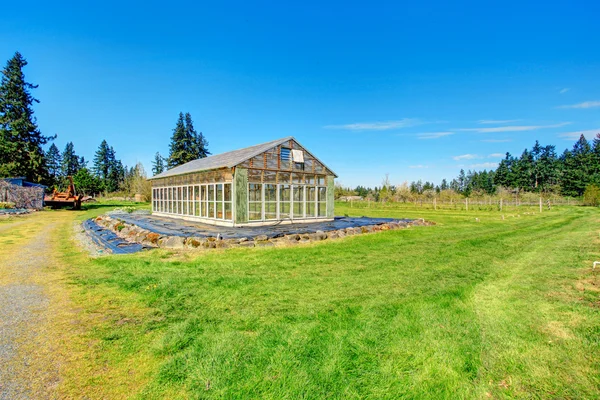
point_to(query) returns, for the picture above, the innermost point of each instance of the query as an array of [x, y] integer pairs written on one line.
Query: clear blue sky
[[413, 89]]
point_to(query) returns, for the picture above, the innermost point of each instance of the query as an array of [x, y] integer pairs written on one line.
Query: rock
[[172, 242], [194, 242], [210, 244], [321, 235], [153, 237], [293, 237], [247, 244], [264, 243], [261, 238], [222, 244], [341, 233]]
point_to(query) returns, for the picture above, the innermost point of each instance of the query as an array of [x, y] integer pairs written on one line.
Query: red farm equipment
[[64, 199]]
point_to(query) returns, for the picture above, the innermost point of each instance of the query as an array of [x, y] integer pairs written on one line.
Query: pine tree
[[186, 144], [577, 168], [86, 183], [199, 144], [70, 161], [21, 141], [180, 144], [158, 165], [53, 163], [106, 167], [596, 159], [102, 161]]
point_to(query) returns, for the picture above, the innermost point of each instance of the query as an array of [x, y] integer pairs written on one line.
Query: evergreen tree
[[21, 141], [70, 161], [186, 144], [53, 163], [577, 168], [596, 159], [503, 172], [106, 167], [86, 183], [523, 172], [180, 144], [103, 159], [444, 185], [199, 144], [158, 165]]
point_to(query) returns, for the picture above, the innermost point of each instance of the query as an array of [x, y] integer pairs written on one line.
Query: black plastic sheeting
[[178, 227], [109, 240], [13, 211]]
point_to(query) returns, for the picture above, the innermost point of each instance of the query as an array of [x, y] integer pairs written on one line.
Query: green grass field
[[500, 308]]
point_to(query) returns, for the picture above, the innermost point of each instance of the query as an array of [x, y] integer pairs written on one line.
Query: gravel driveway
[[23, 321]]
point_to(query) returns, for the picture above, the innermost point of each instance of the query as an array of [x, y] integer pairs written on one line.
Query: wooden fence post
[[540, 203], [501, 204], [467, 203]]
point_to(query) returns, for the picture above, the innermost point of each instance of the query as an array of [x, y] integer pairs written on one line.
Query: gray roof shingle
[[224, 160]]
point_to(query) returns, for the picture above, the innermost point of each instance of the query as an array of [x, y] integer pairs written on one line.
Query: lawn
[[499, 308]]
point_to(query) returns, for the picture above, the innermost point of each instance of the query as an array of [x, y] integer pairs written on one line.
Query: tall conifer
[[21, 141]]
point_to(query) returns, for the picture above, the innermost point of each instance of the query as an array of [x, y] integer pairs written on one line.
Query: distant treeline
[[539, 170]]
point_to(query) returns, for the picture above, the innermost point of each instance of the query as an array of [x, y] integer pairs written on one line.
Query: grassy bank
[[506, 308]]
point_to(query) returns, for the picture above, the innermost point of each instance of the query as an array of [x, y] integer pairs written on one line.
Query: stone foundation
[[133, 233]]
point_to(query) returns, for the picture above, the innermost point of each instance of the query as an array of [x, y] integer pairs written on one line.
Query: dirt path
[[29, 368]]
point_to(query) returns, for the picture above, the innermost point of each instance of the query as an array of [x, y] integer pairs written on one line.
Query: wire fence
[[487, 204]]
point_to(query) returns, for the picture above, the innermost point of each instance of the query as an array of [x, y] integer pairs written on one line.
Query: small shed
[[22, 193], [271, 183]]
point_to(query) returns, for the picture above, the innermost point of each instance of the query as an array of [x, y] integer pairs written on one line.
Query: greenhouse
[[270, 183]]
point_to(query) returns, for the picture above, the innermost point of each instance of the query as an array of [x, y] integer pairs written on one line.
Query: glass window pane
[[322, 194], [254, 192], [322, 209], [219, 187], [228, 212], [211, 209], [203, 201], [219, 210], [284, 210], [284, 193], [270, 192], [254, 175], [271, 210], [298, 201], [227, 195], [255, 211], [284, 177], [211, 192], [270, 177]]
